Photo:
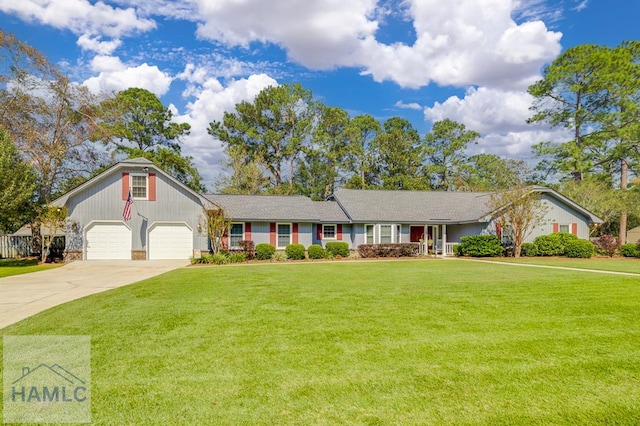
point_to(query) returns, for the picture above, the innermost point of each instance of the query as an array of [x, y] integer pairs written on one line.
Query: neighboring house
[[166, 217], [164, 222], [633, 235]]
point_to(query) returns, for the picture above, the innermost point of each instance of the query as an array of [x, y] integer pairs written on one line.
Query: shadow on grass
[[18, 262]]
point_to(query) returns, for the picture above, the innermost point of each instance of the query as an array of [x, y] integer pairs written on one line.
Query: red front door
[[417, 233]]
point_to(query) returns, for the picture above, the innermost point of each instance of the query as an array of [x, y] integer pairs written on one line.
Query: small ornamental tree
[[52, 219], [217, 226], [519, 210]]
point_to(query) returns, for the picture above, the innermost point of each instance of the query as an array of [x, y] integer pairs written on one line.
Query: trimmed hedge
[[630, 250], [481, 246], [295, 251], [579, 249], [337, 248], [388, 250], [528, 250], [315, 251], [553, 244], [265, 251]]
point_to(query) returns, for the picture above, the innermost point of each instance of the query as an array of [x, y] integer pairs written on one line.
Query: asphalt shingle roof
[[413, 206], [278, 208]]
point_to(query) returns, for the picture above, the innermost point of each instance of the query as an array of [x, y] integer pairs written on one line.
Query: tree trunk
[[624, 178]]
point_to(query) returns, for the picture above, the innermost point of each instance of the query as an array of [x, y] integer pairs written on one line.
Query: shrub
[[481, 246], [295, 251], [457, 250], [248, 248], [265, 251], [579, 249], [528, 250], [606, 244], [337, 248], [630, 250], [553, 244], [388, 250], [237, 257], [315, 251], [279, 256]]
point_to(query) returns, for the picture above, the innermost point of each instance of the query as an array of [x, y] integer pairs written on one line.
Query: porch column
[[444, 240]]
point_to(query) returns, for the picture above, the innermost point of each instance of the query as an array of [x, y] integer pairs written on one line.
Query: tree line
[[54, 134]]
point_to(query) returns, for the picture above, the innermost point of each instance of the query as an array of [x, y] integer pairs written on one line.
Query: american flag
[[126, 213]]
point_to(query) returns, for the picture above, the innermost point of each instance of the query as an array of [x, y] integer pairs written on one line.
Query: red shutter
[[247, 231], [574, 229], [272, 234], [556, 227], [319, 232], [295, 233], [499, 230], [152, 186], [339, 232], [125, 186]]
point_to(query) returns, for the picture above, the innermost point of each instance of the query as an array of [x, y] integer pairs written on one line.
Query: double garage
[[114, 240]]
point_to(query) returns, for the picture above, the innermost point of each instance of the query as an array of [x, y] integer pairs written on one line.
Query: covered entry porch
[[432, 239]]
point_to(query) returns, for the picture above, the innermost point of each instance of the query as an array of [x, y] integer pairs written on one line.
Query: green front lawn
[[22, 266], [419, 342], [616, 264]]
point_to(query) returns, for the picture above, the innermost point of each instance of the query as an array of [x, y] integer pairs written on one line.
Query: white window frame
[[146, 179], [290, 225], [568, 226], [391, 228], [373, 233], [398, 237], [242, 234], [335, 231]]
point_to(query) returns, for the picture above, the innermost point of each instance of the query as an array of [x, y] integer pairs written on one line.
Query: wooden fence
[[15, 246]]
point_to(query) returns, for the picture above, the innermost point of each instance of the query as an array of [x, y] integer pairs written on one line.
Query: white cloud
[[115, 76], [485, 110], [95, 44], [212, 100], [81, 17], [412, 105], [467, 42]]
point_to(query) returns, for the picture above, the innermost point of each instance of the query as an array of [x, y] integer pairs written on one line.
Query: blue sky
[[425, 60]]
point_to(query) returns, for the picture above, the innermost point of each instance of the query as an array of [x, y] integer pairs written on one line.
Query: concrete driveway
[[22, 296]]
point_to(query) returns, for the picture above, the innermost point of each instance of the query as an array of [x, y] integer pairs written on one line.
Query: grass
[[419, 342], [616, 264], [10, 267]]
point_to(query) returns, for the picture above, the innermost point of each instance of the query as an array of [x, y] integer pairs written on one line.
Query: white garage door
[[170, 241], [108, 241]]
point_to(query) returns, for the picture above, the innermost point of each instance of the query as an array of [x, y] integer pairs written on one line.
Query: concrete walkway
[[22, 296]]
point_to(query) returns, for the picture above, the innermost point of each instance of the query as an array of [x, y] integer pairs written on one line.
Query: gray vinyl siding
[[455, 232], [563, 215], [103, 201], [261, 232]]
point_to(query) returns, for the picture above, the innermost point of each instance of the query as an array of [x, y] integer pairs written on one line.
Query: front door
[[416, 234]]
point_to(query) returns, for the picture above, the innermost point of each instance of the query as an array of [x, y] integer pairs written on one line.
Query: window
[[284, 235], [385, 234], [328, 232], [236, 234], [564, 228], [139, 187], [368, 230]]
